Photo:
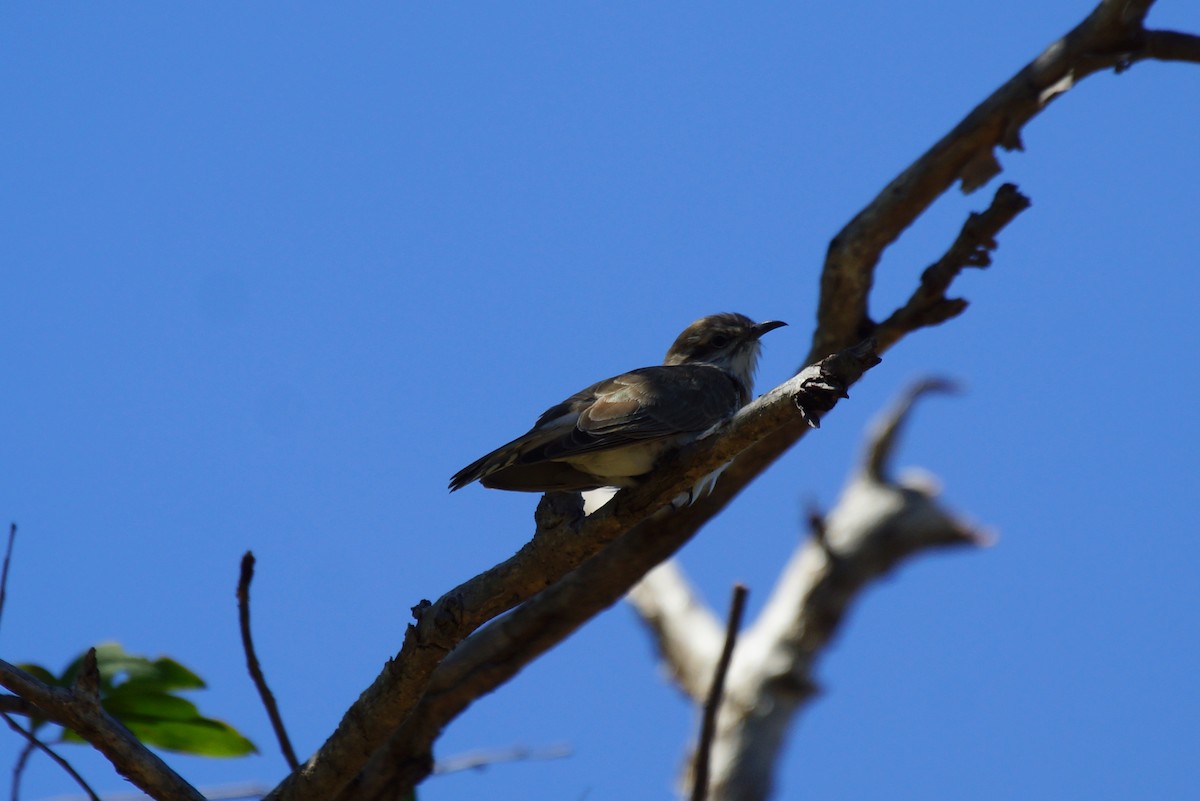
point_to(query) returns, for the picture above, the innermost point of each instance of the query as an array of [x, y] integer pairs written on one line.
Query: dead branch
[[877, 524], [496, 653], [1113, 37], [252, 665]]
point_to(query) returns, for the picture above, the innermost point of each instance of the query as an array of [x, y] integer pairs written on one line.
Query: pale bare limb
[[878, 523], [685, 631]]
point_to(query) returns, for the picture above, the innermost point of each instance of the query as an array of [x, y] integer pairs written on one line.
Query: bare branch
[[876, 524], [414, 696], [50, 752], [712, 705], [1111, 37], [79, 709], [14, 704], [1172, 46], [252, 665], [929, 305], [563, 541], [19, 769]]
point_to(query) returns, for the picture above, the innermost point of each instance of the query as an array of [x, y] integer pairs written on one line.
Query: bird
[[614, 432]]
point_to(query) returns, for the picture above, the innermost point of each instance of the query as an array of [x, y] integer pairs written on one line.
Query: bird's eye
[[720, 340]]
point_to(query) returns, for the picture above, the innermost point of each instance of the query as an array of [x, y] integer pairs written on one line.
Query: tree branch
[[255, 669], [14, 704], [1172, 46], [79, 710], [877, 523], [495, 654], [929, 305], [411, 698], [1111, 37], [563, 541]]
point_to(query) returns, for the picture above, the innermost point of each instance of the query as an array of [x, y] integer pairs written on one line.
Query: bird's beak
[[770, 325]]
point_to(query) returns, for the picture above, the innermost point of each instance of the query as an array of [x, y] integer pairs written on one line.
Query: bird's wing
[[641, 405]]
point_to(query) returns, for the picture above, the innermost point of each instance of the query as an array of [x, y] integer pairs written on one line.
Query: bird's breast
[[627, 461]]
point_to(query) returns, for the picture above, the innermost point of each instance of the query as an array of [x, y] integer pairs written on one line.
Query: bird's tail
[[484, 466], [472, 472]]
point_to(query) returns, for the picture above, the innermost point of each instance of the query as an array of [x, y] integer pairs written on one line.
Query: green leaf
[[199, 736], [163, 673], [118, 667], [126, 703], [170, 675], [139, 692]]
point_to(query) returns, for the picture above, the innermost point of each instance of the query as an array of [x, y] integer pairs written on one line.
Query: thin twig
[[256, 674], [929, 305], [708, 724], [64, 764], [19, 769], [12, 535]]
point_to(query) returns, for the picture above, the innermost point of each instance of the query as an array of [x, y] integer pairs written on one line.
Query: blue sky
[[272, 272]]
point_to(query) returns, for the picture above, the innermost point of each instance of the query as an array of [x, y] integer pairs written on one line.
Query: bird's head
[[728, 341]]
